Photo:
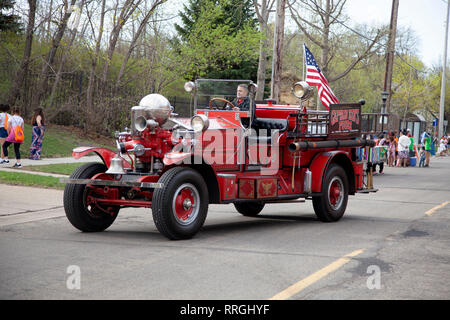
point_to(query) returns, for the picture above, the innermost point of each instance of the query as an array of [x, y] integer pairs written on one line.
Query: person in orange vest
[[15, 137], [4, 116]]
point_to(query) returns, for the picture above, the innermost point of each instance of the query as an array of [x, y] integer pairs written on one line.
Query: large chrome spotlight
[[302, 90], [156, 107]]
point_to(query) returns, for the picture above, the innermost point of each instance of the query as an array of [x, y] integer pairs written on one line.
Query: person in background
[[427, 145], [422, 157], [38, 123], [15, 121], [391, 151], [382, 143], [396, 149], [412, 152], [442, 146], [403, 148], [4, 116], [434, 144]]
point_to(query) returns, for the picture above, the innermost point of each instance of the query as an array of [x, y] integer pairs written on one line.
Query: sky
[[425, 17]]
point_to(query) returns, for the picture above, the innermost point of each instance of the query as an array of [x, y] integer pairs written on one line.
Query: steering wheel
[[220, 99]]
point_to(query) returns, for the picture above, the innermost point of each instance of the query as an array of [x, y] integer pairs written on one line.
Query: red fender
[[175, 157], [105, 154], [319, 166]]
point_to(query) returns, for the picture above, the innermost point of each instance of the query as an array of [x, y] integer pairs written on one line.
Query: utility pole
[[444, 68], [277, 64], [390, 54]]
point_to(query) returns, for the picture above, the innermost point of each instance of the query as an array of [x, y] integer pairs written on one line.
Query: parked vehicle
[[177, 167]]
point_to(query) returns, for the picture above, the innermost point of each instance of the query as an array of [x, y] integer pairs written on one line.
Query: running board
[[366, 190], [286, 201]]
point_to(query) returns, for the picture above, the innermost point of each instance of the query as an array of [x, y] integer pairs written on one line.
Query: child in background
[[422, 157]]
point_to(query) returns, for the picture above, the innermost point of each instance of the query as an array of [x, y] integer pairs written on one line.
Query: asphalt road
[[393, 244]]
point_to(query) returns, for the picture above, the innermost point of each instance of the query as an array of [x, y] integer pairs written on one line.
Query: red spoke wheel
[[336, 192], [79, 202], [185, 204], [330, 205], [179, 209]]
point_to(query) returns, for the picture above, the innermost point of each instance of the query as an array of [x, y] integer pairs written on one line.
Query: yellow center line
[[431, 211], [316, 276]]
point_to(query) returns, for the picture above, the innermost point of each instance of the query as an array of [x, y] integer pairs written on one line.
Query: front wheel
[[83, 213], [332, 202], [179, 208]]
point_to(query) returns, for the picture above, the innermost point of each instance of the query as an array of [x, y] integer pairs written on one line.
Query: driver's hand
[[236, 109]]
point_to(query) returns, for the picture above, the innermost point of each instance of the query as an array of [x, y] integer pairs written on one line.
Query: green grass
[[58, 142], [60, 168], [32, 180]]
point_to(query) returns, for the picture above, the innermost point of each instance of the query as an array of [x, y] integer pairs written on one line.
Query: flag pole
[[304, 62]]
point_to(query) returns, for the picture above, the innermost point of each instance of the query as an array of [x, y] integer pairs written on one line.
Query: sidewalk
[[45, 161]]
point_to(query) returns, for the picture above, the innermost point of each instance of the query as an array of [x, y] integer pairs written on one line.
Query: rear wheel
[[81, 210], [179, 208], [332, 202], [249, 209]]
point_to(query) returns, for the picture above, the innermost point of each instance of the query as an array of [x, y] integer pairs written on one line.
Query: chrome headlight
[[199, 123], [302, 90], [189, 86], [139, 149]]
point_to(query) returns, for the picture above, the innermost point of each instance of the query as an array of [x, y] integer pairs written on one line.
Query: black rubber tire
[[249, 209], [322, 206], [74, 202], [162, 208]]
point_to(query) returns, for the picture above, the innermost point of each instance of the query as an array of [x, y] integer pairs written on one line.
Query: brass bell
[[116, 166]]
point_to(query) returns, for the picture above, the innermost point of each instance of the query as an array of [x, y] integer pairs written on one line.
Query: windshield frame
[[221, 88]]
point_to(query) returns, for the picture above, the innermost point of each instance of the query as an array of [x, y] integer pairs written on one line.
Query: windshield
[[212, 88]]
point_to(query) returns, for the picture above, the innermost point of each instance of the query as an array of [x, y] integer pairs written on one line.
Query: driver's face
[[241, 92]]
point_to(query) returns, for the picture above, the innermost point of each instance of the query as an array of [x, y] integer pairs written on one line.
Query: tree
[[23, 70], [219, 39], [9, 22], [62, 25], [148, 13], [263, 10]]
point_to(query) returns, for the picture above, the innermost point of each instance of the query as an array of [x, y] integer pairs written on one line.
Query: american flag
[[315, 77]]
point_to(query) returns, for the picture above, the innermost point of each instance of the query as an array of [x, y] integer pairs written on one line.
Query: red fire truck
[[178, 166]]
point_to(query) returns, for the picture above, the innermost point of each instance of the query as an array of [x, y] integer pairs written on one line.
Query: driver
[[242, 101]]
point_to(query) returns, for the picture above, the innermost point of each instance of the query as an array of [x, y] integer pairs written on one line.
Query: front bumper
[[113, 183]]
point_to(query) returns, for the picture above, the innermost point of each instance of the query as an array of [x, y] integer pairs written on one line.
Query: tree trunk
[[262, 13], [43, 84], [90, 88], [262, 66], [278, 51], [127, 10], [136, 36], [63, 60], [23, 71]]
